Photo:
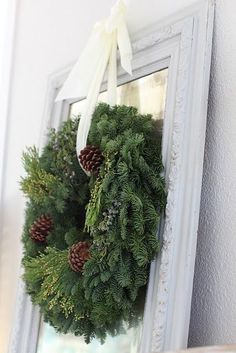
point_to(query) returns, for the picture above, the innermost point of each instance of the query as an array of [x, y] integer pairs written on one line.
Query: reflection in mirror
[[148, 94]]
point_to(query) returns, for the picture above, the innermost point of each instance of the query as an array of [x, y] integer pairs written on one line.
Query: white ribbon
[[86, 77]]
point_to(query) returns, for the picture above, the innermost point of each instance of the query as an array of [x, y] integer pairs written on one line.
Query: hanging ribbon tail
[[124, 46], [112, 73], [91, 101], [117, 21], [85, 79]]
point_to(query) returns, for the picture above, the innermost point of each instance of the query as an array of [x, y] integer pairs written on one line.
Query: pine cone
[[41, 228], [78, 255], [91, 159]]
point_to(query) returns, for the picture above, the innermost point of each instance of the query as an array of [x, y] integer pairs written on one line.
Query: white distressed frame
[[183, 44]]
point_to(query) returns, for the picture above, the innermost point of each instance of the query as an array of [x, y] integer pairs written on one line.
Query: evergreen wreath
[[89, 241]]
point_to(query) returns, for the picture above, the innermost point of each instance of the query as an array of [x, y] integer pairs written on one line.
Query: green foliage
[[118, 212], [134, 180], [39, 185]]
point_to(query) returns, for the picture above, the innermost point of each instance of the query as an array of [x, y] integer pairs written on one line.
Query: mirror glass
[[147, 93]]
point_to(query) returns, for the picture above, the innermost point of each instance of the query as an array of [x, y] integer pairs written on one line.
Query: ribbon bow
[[86, 77]]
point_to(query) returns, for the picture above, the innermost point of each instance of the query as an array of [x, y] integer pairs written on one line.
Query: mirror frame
[[183, 44]]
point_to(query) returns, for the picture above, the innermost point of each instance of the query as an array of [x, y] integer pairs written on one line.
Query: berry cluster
[[109, 216]]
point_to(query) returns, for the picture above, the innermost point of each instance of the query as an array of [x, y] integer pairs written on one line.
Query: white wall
[[214, 299], [51, 34]]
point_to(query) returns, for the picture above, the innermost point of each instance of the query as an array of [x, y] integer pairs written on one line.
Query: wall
[[51, 34], [214, 296]]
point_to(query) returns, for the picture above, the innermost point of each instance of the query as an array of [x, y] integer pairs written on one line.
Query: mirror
[[148, 94]]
